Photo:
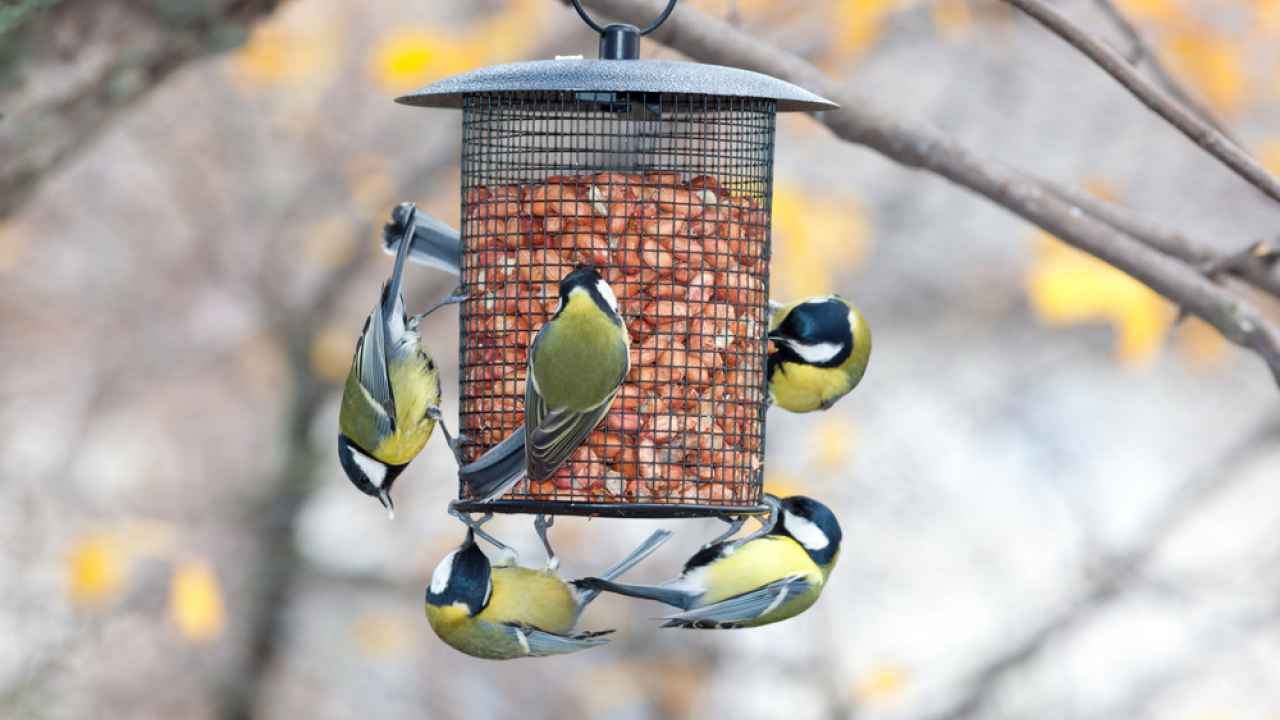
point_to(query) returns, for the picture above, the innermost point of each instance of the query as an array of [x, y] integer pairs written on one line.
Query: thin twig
[[1160, 102], [858, 120], [1141, 52], [1258, 270]]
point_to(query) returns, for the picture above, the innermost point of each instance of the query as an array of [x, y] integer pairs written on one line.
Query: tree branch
[[858, 120], [1140, 52], [68, 68], [1200, 132], [1257, 269]]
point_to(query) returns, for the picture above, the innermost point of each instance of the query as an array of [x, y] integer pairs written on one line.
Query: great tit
[[506, 612], [576, 364], [757, 580], [823, 345], [391, 400]]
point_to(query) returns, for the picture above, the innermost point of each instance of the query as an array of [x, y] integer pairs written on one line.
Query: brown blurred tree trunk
[[68, 67]]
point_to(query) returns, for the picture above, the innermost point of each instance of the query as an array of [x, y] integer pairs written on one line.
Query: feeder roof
[[647, 76]]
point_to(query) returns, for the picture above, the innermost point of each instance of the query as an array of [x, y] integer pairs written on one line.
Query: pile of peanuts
[[687, 261]]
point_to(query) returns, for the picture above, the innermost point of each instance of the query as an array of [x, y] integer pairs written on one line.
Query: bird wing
[[371, 370], [434, 243], [742, 608], [553, 433], [540, 643], [556, 433]]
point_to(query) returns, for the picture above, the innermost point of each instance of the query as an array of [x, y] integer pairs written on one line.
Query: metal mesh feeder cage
[[659, 173]]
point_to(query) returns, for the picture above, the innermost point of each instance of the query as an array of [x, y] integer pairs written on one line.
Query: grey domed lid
[[645, 76]]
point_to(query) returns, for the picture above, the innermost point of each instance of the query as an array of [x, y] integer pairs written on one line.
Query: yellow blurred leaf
[[1269, 156], [1067, 287], [381, 634], [858, 24], [282, 52], [1150, 10], [195, 601], [1213, 63], [782, 483], [96, 569], [331, 353], [404, 59], [951, 18], [1201, 344], [881, 683], [1266, 17], [833, 440], [816, 237]]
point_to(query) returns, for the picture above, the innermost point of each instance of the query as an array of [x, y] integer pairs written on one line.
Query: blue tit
[[505, 612], [823, 345], [576, 364], [391, 399], [433, 243], [757, 580]]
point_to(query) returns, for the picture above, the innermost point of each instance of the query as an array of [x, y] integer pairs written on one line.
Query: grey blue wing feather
[[541, 643], [556, 434], [371, 370], [742, 608], [434, 243], [498, 470]]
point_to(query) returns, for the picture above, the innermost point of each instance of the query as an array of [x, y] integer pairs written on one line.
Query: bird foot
[[541, 524], [735, 524], [474, 525]]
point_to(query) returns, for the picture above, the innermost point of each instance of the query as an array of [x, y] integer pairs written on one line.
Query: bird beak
[[384, 497]]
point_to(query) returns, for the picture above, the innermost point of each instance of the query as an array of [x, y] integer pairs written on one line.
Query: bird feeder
[[660, 174]]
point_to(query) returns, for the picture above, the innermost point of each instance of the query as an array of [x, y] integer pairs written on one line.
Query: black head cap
[[370, 475], [588, 278], [462, 576], [811, 524], [816, 332]]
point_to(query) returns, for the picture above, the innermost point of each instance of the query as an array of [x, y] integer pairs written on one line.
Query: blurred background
[[1057, 502]]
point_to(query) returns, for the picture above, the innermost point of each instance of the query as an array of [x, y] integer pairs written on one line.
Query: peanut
[[685, 260]]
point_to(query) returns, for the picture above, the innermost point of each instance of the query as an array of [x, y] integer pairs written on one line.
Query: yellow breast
[[531, 597], [804, 388], [416, 390], [757, 564]]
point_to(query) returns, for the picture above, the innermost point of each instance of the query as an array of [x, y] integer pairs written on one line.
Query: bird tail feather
[[434, 243], [667, 596], [495, 472]]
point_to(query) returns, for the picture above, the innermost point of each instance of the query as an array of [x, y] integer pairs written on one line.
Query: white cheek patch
[[804, 531], [606, 292], [816, 354], [374, 470], [440, 578]]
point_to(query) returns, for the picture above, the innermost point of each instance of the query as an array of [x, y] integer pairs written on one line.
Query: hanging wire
[[586, 18]]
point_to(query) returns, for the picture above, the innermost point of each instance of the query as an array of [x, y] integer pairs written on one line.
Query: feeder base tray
[[615, 510]]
